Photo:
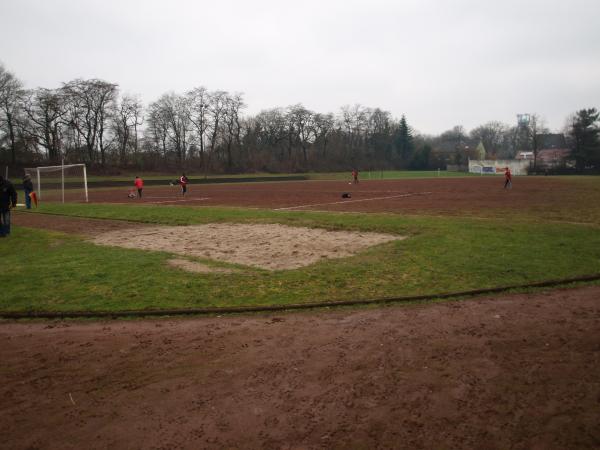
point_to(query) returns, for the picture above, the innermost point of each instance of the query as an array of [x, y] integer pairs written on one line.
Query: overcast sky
[[439, 62]]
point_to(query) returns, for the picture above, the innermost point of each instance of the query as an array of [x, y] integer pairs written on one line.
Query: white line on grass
[[353, 201]]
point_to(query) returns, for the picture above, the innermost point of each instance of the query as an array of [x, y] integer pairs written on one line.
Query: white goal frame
[[62, 167]]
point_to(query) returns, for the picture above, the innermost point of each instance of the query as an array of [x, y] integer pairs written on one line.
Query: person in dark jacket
[[8, 199], [28, 189]]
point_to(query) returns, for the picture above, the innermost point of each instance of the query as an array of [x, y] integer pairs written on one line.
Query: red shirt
[[183, 180], [139, 183], [508, 175]]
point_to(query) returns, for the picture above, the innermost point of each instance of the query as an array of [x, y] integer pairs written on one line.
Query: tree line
[[88, 120]]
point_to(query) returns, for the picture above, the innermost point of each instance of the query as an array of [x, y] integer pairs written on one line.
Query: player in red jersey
[[139, 185], [507, 178], [183, 181]]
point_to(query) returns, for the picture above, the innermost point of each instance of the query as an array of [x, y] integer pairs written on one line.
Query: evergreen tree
[[586, 136], [404, 142], [420, 160]]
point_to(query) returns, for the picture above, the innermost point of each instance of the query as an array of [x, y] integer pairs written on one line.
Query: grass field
[[52, 271]]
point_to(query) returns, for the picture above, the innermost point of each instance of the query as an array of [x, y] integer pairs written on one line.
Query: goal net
[[60, 183]]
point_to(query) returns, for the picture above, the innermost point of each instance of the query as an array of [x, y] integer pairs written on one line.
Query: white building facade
[[498, 166]]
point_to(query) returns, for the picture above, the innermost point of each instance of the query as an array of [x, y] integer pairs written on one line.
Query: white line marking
[[353, 201], [181, 200], [136, 201], [167, 196]]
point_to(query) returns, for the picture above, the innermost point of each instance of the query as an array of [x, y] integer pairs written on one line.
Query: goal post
[[52, 182]]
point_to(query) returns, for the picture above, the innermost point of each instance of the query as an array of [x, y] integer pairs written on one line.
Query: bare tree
[[88, 104], [303, 127], [11, 94], [137, 110], [380, 135], [216, 112], [324, 123], [158, 128], [271, 132], [171, 119], [46, 111], [354, 122], [379, 122], [231, 119], [536, 128], [199, 102], [126, 119], [491, 134]]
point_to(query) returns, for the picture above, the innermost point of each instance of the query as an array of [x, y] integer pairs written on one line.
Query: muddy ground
[[517, 371]]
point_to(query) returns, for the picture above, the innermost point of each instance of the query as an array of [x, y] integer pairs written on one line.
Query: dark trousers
[[28, 198], [507, 183], [4, 222], [183, 189], [140, 193]]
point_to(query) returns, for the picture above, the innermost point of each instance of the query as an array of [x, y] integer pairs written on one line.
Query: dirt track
[[446, 196], [520, 371]]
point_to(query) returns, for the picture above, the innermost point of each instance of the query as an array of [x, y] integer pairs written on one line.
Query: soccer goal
[[60, 183]]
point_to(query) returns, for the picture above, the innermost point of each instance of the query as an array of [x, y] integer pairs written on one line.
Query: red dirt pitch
[[445, 196]]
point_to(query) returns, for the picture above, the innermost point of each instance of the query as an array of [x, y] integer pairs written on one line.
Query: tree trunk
[[11, 132]]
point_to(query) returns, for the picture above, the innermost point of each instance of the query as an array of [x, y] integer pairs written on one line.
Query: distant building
[[554, 158], [525, 155], [552, 150], [498, 166]]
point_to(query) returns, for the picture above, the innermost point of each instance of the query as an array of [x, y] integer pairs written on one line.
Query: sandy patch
[[193, 266], [267, 246]]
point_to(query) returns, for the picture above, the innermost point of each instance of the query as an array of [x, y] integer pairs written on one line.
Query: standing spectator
[[139, 184], [8, 199], [28, 189], [183, 181], [508, 179]]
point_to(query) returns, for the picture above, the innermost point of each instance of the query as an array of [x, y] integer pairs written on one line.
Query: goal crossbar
[[43, 169], [54, 168]]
